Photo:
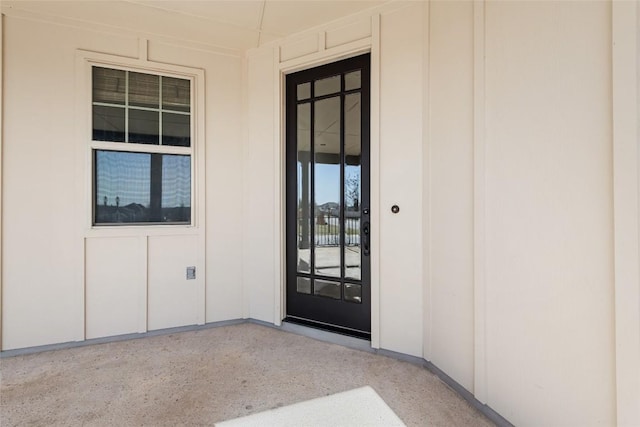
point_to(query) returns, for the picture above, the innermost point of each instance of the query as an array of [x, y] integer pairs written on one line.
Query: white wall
[[223, 170], [58, 274], [449, 300], [400, 176], [520, 293], [548, 178], [626, 206], [259, 204], [43, 298]]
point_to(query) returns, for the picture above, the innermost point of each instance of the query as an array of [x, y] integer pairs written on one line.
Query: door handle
[[365, 238]]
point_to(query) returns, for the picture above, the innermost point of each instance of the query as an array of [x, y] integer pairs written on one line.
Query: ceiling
[[232, 24]]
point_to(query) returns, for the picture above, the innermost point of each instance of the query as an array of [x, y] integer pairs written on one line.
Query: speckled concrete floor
[[209, 375]]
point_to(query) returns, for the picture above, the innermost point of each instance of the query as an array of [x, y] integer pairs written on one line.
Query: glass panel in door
[[352, 185], [303, 184], [327, 170]]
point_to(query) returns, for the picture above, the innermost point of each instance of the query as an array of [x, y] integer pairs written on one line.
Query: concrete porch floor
[[208, 375]]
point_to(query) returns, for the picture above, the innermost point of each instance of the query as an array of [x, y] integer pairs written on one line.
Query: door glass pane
[[352, 80], [303, 285], [352, 186], [326, 288], [327, 187], [304, 91], [144, 90], [304, 188], [327, 86], [352, 293]]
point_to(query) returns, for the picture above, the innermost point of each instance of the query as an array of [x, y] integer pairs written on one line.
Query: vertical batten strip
[[1, 137], [279, 154], [83, 116], [143, 292], [479, 188], [374, 185], [160, 121], [244, 291], [626, 208], [426, 188]]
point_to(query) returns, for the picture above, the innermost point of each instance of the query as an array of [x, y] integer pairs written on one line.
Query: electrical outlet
[[191, 273]]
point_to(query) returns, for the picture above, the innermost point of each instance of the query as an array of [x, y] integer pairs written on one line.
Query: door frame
[[339, 314], [281, 69]]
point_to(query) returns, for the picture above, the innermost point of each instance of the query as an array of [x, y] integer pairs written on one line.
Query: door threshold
[[326, 336], [329, 328]]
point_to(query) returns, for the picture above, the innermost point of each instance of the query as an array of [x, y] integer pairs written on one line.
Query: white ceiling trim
[[262, 8], [120, 31], [229, 25], [159, 5]]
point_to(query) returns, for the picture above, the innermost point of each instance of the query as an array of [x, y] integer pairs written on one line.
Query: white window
[[142, 134]]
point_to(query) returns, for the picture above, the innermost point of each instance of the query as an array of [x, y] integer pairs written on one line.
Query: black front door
[[328, 230]]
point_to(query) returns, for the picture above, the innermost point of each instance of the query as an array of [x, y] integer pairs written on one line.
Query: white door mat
[[353, 408]]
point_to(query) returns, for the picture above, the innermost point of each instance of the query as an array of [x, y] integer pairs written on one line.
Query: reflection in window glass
[[176, 182], [176, 94], [327, 86], [108, 85], [148, 186], [304, 91], [326, 170], [352, 80], [176, 130], [122, 186], [143, 127], [144, 90], [108, 123], [125, 191], [353, 292], [305, 213], [303, 285], [352, 185], [326, 288], [120, 96]]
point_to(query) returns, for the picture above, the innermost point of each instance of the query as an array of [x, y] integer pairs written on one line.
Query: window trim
[[85, 60]]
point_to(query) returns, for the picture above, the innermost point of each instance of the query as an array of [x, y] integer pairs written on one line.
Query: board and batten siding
[[549, 284], [62, 280]]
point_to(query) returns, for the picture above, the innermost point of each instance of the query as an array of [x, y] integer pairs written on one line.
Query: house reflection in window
[[142, 188]]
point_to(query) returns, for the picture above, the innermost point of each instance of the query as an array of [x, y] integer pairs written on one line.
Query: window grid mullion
[[126, 106], [160, 111], [140, 148], [164, 110]]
